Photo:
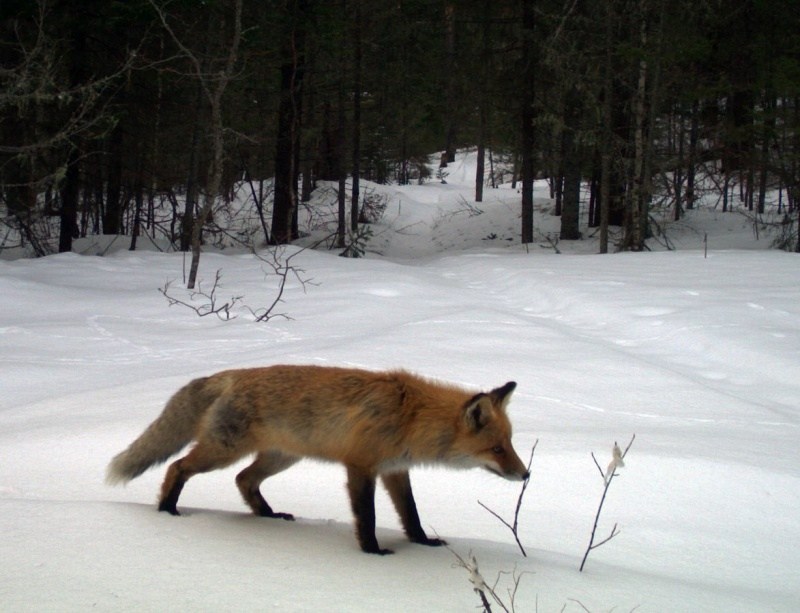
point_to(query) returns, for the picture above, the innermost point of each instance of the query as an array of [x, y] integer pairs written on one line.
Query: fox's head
[[485, 435]]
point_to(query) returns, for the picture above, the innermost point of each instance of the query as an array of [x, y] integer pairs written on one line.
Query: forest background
[[124, 117]]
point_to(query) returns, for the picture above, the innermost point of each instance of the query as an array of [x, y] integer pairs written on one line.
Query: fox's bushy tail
[[167, 435]]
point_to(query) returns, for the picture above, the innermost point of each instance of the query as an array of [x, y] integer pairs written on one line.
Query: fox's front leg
[[361, 486], [399, 487]]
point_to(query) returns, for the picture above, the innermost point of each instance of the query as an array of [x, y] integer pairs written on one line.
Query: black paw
[[430, 542], [172, 510], [374, 548], [268, 512]]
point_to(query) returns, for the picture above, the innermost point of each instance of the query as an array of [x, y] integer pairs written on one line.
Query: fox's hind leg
[[266, 464], [204, 457], [399, 487]]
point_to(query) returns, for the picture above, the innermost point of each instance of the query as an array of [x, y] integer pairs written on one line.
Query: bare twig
[[552, 239], [478, 583], [209, 306], [607, 476], [514, 526], [580, 604], [516, 577], [283, 268]]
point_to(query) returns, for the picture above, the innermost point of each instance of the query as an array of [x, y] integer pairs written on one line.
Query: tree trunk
[[652, 103], [694, 132], [570, 213], [341, 170], [480, 171], [139, 206], [291, 74], [284, 196], [606, 137], [557, 190], [451, 102], [726, 181], [593, 213], [571, 164], [634, 230], [70, 193], [677, 176], [354, 201], [305, 164], [768, 128], [492, 181], [190, 206], [483, 107], [112, 215], [527, 116]]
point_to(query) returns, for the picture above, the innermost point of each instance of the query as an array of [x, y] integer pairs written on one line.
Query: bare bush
[[201, 302]]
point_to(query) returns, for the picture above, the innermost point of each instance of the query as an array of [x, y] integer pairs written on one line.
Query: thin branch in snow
[[579, 603], [209, 304], [479, 585], [514, 527], [282, 268], [617, 461]]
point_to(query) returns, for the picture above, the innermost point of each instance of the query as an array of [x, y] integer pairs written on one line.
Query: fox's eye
[[498, 450]]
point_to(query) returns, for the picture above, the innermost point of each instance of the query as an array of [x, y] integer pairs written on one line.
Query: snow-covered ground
[[699, 357]]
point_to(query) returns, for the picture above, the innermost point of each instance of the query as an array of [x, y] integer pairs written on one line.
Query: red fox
[[375, 423]]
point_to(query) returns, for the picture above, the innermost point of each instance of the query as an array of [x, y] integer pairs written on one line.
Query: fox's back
[[333, 413]]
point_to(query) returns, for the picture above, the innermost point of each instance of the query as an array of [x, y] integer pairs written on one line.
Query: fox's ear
[[502, 395], [478, 412]]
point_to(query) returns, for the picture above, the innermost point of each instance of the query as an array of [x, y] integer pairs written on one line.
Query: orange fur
[[375, 423]]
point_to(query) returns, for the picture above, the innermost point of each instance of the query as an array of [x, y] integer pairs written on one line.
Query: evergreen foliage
[[102, 114]]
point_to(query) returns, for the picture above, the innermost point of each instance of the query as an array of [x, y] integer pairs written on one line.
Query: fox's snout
[[523, 477], [507, 465], [517, 475]]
